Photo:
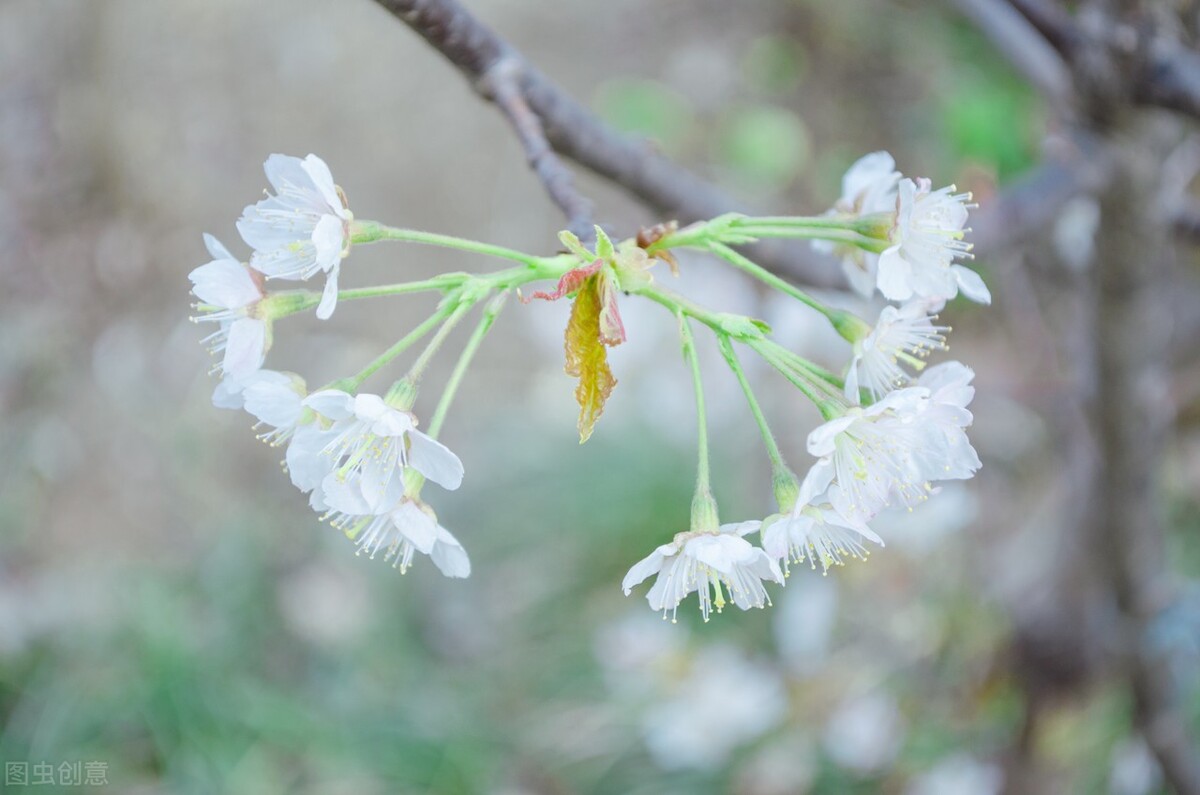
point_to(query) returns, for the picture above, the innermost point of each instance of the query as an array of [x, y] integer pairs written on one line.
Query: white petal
[[228, 394], [284, 169], [332, 403], [651, 564], [434, 460], [370, 407], [851, 389], [329, 296], [776, 539], [322, 180], [416, 525], [894, 275], [867, 169], [449, 556], [278, 405], [815, 483], [381, 483], [246, 346], [307, 465], [719, 552], [972, 285], [741, 528], [821, 440], [328, 239], [225, 283], [343, 496], [216, 248]]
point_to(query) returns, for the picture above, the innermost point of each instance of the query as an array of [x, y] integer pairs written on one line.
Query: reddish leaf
[[612, 330], [571, 281]]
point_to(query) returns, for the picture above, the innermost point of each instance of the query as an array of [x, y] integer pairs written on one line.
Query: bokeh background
[[170, 607]]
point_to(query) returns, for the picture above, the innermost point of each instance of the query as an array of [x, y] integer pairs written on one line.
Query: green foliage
[[765, 147], [649, 108]]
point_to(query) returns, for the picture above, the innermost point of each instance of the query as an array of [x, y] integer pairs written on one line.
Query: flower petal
[[434, 460], [246, 347]]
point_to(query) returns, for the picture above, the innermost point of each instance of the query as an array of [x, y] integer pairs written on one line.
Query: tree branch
[[541, 111], [1022, 44]]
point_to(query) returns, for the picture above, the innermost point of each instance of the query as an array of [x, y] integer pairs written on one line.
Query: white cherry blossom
[[902, 335], [927, 239], [889, 452], [275, 399], [946, 418], [710, 564], [229, 294], [873, 453], [814, 530], [303, 229], [408, 528], [371, 442], [868, 187]]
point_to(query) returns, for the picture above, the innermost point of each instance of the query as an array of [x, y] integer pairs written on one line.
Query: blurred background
[[170, 608]]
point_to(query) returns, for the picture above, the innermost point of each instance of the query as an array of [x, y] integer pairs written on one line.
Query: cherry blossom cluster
[[351, 452], [892, 427], [888, 437]]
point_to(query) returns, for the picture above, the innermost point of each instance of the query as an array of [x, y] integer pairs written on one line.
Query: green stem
[[447, 281], [415, 372], [847, 222], [402, 344], [797, 361], [464, 361], [773, 452], [799, 233], [744, 263], [371, 231], [689, 354], [830, 405]]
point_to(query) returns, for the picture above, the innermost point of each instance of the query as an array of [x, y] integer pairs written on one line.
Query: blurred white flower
[[926, 241], [303, 229], [635, 651], [371, 443], [725, 701], [815, 530], [408, 528], [1134, 771], [960, 774], [865, 734], [869, 186], [325, 605], [803, 622], [904, 334], [229, 293], [787, 765], [710, 564]]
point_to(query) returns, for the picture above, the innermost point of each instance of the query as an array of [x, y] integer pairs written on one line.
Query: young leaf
[[587, 358]]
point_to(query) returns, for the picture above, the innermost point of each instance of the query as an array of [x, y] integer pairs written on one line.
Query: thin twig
[[502, 83], [575, 133]]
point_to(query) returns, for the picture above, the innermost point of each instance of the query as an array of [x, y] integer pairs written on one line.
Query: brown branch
[[1170, 78], [1054, 23], [501, 82], [1165, 74], [1022, 44], [540, 110]]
